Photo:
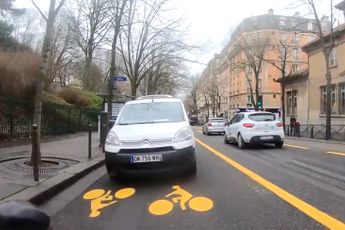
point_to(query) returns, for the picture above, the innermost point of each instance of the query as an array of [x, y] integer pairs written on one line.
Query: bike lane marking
[[99, 198], [182, 197], [318, 215]]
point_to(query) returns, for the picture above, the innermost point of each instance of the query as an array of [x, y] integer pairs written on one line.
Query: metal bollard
[[104, 127], [89, 142], [34, 162], [312, 132]]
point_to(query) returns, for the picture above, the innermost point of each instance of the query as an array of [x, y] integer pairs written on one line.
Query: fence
[[16, 118], [317, 131]]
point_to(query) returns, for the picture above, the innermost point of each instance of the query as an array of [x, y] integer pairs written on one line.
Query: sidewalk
[[70, 151]]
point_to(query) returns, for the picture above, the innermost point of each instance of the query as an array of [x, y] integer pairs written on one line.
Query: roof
[[150, 100], [254, 112], [340, 5], [315, 44], [303, 74]]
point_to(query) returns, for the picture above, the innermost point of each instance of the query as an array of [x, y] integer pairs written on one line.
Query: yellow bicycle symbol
[[181, 196], [101, 199]]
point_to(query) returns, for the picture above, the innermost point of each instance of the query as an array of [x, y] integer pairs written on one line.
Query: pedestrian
[[292, 124]]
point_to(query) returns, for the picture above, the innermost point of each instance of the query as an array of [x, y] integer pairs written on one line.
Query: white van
[[151, 133]]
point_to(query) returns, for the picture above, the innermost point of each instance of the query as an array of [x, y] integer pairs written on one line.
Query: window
[[324, 99], [151, 113], [294, 68], [282, 22], [288, 102], [260, 83], [293, 23], [291, 99], [274, 96], [341, 98], [295, 38], [324, 27], [249, 99], [295, 53], [262, 117], [310, 26], [294, 102], [282, 36], [332, 58]]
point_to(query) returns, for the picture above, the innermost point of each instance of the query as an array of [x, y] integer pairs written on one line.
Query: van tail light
[[279, 124], [248, 125], [209, 125]]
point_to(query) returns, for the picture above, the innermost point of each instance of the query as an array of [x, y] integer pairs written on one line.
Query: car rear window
[[155, 112], [262, 117]]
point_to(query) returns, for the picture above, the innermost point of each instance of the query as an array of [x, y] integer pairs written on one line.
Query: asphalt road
[[301, 186]]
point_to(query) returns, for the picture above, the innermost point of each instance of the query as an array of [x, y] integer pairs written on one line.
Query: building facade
[[291, 32]]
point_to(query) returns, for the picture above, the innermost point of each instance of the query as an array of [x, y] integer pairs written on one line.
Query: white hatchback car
[[151, 133], [254, 127]]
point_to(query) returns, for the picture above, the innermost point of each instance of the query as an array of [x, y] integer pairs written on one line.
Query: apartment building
[[278, 31], [306, 91]]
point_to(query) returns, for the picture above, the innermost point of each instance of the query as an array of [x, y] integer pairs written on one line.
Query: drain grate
[[51, 166]]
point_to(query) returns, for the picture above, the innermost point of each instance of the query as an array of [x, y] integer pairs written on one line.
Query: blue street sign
[[119, 78]]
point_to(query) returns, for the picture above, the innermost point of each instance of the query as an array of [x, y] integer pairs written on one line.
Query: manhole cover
[[50, 166]]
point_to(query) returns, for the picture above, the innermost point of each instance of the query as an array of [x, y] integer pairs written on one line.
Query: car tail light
[[248, 125], [209, 124], [279, 124]]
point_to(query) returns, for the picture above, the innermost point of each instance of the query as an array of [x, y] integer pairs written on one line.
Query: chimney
[[297, 14], [270, 11]]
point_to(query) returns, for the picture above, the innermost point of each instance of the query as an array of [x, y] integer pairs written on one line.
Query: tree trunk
[[134, 90], [283, 104], [42, 75], [328, 134]]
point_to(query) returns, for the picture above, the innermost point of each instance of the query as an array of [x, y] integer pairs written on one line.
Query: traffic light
[[259, 102]]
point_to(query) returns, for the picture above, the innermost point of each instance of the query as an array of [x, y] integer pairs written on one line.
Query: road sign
[[120, 78]]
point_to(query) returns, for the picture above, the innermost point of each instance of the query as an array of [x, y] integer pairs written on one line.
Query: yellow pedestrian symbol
[[184, 198], [101, 199]]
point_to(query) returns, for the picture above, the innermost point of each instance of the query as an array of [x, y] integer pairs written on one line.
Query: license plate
[[146, 158], [266, 138]]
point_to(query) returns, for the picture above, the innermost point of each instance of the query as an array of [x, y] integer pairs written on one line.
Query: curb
[[314, 140], [46, 189]]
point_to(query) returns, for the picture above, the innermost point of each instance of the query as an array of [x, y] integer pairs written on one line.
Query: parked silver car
[[214, 125]]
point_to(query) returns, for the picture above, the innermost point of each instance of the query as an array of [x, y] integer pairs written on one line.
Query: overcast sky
[[210, 20]]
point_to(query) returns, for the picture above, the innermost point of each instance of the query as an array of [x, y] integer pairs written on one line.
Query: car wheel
[[191, 170], [226, 141], [240, 142], [206, 133], [279, 145], [113, 174]]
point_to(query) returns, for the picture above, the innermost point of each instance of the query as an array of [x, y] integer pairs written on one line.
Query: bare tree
[[282, 65], [192, 90], [61, 56], [117, 7], [252, 48], [146, 36], [327, 43], [89, 25], [54, 9]]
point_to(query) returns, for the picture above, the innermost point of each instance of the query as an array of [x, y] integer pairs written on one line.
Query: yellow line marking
[[296, 146], [321, 217], [336, 153]]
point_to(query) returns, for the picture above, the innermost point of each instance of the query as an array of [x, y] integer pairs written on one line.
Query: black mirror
[[227, 123]]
